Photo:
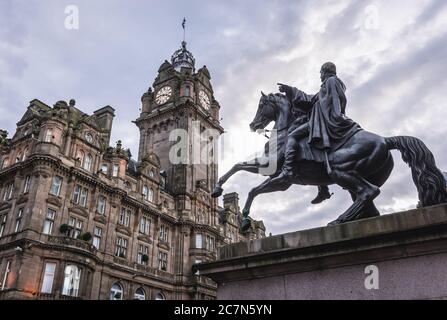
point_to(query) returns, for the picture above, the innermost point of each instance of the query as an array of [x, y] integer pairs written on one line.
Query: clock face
[[204, 100], [163, 95]]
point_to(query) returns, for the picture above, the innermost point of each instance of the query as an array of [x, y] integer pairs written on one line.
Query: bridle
[[286, 127]]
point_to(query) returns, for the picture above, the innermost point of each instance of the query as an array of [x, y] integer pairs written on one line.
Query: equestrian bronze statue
[[317, 144]]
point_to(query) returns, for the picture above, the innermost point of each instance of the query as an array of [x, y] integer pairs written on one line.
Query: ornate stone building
[[80, 219]]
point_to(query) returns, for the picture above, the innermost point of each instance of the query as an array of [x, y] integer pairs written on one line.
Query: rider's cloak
[[329, 128], [328, 125]]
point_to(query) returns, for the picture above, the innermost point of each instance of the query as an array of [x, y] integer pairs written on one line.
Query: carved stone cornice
[[56, 201], [79, 211], [145, 238], [124, 230], [100, 218]]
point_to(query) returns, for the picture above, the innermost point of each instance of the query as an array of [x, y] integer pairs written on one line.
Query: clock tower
[[179, 123]]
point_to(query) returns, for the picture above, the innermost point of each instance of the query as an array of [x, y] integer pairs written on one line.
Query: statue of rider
[[327, 129]]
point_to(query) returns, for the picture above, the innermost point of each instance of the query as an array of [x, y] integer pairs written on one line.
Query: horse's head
[[267, 112]]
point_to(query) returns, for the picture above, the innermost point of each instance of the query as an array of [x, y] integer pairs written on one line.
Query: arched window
[[72, 279], [140, 294], [160, 296], [116, 292], [19, 156], [88, 160], [151, 173], [80, 157], [187, 91], [151, 195], [25, 153], [145, 192], [5, 163]]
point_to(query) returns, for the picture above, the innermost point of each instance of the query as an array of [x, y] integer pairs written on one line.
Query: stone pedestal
[[408, 248]]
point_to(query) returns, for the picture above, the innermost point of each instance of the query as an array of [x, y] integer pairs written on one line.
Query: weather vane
[[183, 26]]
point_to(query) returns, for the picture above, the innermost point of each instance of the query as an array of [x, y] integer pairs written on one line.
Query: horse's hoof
[[217, 192], [245, 225]]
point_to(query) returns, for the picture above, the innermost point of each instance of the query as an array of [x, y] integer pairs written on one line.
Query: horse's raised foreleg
[[266, 187], [250, 166]]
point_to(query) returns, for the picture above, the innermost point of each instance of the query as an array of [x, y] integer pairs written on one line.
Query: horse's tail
[[429, 181]]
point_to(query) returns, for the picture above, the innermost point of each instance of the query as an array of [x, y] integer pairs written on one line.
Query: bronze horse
[[361, 166]]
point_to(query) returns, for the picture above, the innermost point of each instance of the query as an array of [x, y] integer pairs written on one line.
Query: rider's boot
[[287, 172], [323, 194]]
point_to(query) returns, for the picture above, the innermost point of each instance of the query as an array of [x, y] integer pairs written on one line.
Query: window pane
[[116, 292], [47, 284], [48, 227], [115, 170], [96, 242], [51, 214], [199, 241], [140, 294]]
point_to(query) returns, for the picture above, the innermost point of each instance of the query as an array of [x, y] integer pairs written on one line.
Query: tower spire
[[182, 57]]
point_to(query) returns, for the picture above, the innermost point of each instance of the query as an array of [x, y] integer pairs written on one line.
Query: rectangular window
[[19, 220], [162, 261], [2, 224], [143, 254], [83, 198], [76, 193], [6, 275], [49, 221], [27, 184], [56, 186], [124, 218], [115, 170], [104, 169], [101, 205], [48, 278], [164, 234], [121, 247], [76, 227], [97, 237], [145, 226], [11, 191], [72, 279], [5, 193], [199, 241], [196, 262], [49, 135]]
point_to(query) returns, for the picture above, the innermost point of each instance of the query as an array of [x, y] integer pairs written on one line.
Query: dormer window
[[89, 137], [104, 169]]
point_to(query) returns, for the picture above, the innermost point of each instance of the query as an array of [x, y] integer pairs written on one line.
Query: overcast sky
[[392, 55]]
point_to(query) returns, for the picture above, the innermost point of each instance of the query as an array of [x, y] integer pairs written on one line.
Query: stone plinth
[[408, 248]]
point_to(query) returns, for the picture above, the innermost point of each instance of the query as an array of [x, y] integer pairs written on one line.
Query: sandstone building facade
[[81, 219]]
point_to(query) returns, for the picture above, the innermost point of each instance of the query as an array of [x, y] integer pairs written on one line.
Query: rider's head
[[327, 70]]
